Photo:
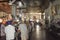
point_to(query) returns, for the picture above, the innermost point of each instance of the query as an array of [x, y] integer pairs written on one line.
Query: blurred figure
[[3, 32], [10, 31], [2, 27], [30, 28], [38, 24], [31, 21], [47, 23], [24, 31]]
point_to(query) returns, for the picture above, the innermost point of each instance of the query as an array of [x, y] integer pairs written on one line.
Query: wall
[[57, 4]]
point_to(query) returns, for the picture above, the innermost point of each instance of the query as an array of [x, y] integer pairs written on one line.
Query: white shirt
[[24, 30], [10, 31]]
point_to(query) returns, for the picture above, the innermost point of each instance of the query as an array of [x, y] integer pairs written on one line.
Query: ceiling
[[5, 7], [42, 4]]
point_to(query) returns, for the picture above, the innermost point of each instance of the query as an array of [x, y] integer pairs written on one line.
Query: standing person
[[10, 31], [2, 32], [24, 31], [0, 27]]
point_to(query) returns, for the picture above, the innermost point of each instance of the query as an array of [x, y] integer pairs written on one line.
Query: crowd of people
[[21, 31], [8, 31]]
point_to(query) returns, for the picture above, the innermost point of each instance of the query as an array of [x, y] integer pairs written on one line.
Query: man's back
[[10, 30]]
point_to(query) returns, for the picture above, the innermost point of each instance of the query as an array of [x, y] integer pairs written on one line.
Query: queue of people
[[8, 31]]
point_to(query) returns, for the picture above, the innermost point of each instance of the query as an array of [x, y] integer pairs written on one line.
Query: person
[[3, 32], [10, 31], [24, 31], [2, 28]]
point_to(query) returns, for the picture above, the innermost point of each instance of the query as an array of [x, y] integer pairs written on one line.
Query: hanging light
[[20, 4]]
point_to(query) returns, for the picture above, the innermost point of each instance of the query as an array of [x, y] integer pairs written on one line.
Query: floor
[[40, 34]]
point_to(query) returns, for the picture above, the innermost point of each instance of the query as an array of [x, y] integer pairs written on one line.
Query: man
[[24, 31], [10, 31]]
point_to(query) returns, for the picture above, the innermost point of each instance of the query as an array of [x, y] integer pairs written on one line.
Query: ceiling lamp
[[19, 4]]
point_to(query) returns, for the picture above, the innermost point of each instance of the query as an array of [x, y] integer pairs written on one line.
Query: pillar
[[14, 10]]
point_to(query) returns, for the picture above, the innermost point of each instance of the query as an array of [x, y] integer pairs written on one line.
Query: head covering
[[9, 22]]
